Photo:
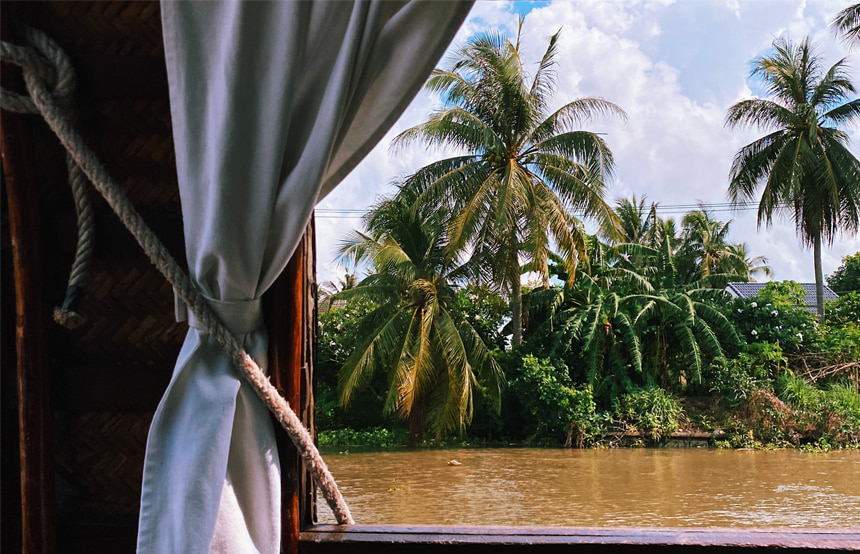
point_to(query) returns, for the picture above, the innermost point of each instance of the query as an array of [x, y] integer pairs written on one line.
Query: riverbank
[[764, 422], [375, 440]]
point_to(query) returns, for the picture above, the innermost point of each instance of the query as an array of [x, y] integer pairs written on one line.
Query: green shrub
[[798, 393], [839, 344], [832, 413], [557, 411], [783, 293], [651, 410], [847, 276], [843, 310], [754, 369], [773, 320], [842, 401], [375, 438], [732, 380]]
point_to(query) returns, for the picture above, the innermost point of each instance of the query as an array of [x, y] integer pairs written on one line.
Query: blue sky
[[675, 66]]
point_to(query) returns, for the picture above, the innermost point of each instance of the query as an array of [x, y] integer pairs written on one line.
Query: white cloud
[[675, 67]]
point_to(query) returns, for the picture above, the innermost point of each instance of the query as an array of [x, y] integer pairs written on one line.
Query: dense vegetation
[[620, 350], [626, 332]]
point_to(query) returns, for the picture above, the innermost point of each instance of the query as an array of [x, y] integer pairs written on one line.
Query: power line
[[662, 209]]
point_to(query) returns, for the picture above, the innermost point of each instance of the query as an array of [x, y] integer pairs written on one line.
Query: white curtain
[[273, 103]]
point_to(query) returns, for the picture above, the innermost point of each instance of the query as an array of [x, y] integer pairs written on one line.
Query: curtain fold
[[272, 103]]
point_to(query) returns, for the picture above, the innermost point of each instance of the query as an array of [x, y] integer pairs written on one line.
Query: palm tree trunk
[[517, 309], [819, 281], [417, 420]]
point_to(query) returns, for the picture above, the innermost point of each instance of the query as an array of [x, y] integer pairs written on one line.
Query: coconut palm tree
[[705, 249], [803, 165], [847, 23], [524, 170], [329, 289], [433, 362], [637, 222], [743, 265]]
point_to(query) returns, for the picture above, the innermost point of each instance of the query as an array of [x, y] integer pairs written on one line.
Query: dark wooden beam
[[425, 538], [33, 378], [307, 507], [289, 309]]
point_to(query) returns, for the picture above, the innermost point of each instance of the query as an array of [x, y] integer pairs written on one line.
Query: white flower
[[740, 311], [774, 312], [778, 327], [800, 336], [754, 332], [754, 304]]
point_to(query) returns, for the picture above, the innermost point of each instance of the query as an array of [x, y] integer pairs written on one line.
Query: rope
[[54, 68], [67, 315], [47, 104]]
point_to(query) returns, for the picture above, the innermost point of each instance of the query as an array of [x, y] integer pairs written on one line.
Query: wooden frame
[[290, 307]]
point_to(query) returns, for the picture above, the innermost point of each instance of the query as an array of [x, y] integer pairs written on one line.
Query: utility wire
[[662, 209]]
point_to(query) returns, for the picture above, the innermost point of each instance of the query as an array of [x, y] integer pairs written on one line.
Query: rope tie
[[41, 61]]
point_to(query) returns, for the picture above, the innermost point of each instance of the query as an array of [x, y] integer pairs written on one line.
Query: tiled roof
[[748, 290]]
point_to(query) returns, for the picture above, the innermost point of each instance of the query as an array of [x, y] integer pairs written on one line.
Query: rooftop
[[748, 290]]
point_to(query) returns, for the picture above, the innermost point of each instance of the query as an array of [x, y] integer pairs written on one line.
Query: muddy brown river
[[600, 488]]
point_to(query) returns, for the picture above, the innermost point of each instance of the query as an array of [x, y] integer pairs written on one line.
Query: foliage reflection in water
[[601, 488]]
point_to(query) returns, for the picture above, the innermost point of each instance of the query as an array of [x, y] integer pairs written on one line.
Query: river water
[[600, 488]]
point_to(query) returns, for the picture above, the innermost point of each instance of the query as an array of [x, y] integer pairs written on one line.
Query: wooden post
[[290, 308], [34, 403]]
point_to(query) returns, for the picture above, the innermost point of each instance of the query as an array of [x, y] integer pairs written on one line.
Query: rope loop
[[40, 58], [51, 98], [44, 61]]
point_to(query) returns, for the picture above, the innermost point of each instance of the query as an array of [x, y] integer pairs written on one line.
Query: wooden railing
[[416, 539]]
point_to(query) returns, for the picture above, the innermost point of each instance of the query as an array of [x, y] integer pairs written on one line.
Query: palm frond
[[759, 114], [456, 410], [630, 339], [359, 367], [834, 86], [454, 127], [752, 164], [573, 114], [689, 346], [844, 114], [543, 83], [847, 23]]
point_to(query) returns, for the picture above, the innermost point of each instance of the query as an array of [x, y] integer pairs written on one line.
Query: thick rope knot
[[44, 61], [49, 98]]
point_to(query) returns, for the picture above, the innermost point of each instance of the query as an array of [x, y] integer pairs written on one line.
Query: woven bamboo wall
[[108, 375]]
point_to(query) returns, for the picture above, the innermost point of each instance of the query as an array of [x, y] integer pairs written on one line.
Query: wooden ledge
[[381, 538]]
